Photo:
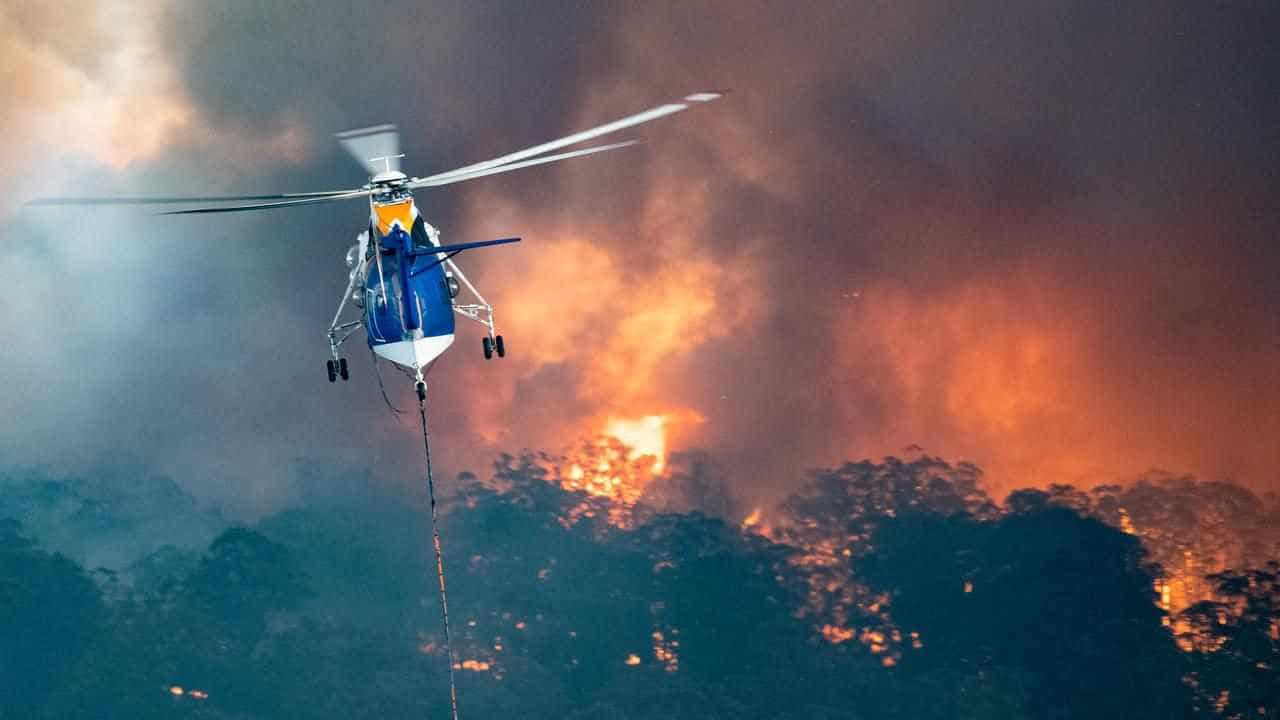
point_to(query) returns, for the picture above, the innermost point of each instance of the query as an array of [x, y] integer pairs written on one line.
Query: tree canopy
[[887, 591]]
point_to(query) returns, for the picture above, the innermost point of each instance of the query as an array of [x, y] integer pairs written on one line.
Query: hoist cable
[[435, 539]]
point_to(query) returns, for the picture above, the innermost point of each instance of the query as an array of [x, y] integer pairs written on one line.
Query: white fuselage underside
[[415, 354]]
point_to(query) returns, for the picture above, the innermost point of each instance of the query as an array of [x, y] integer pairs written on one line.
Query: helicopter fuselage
[[408, 301]]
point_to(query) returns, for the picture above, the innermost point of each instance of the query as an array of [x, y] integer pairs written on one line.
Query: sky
[[1039, 237]]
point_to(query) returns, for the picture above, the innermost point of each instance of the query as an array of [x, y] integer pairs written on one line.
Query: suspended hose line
[[383, 388], [435, 539]]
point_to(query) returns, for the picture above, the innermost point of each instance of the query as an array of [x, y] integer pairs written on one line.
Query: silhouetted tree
[[49, 611], [844, 505], [1064, 599], [564, 607], [1236, 645], [1192, 529]]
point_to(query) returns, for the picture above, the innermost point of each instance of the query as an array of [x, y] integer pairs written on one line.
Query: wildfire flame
[[627, 455], [646, 437]]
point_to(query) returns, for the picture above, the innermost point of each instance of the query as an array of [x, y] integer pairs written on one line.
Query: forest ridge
[[896, 589]]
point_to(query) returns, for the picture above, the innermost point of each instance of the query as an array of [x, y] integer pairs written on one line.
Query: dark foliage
[[1236, 642], [49, 610], [331, 611], [1059, 604]]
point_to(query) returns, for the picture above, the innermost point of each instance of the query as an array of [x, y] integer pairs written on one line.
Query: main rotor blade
[[268, 206], [173, 200], [626, 122], [449, 180]]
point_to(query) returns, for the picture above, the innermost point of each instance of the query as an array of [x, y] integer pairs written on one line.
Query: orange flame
[[646, 436], [618, 466], [836, 635]]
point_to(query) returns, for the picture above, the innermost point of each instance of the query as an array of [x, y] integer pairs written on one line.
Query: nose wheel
[[492, 345], [337, 368]]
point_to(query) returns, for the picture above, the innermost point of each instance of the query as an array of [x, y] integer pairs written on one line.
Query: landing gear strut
[[338, 334]]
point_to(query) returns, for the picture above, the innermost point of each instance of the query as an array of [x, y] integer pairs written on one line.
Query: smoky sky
[[1034, 236]]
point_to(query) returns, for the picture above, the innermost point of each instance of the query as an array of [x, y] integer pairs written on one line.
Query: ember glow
[[666, 650]]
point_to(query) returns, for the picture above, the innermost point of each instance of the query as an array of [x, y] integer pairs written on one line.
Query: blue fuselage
[[406, 294]]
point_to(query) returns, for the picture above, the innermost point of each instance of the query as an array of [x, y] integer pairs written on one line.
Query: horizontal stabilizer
[[451, 250], [459, 247]]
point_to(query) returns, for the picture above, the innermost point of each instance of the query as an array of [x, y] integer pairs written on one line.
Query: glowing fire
[[618, 466], [834, 595], [621, 463], [179, 691], [836, 635], [646, 436], [666, 650]]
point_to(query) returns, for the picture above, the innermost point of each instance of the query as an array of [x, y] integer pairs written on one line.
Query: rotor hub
[[390, 178]]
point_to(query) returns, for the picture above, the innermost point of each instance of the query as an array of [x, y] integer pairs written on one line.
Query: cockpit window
[[391, 196], [419, 233]]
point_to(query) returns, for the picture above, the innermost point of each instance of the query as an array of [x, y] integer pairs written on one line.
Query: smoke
[[921, 225], [1036, 238]]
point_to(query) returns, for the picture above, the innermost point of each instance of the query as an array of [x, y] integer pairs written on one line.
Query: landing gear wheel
[[497, 345], [342, 369], [333, 370], [488, 348]]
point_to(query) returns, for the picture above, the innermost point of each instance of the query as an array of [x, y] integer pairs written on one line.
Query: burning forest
[[1037, 238], [587, 584]]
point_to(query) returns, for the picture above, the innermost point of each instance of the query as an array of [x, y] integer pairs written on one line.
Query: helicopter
[[402, 280]]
